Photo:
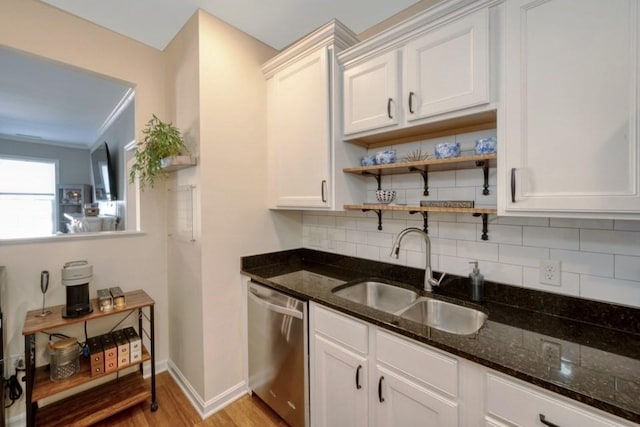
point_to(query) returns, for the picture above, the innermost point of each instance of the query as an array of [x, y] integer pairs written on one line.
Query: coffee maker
[[76, 276]]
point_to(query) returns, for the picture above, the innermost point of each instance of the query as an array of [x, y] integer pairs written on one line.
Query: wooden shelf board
[[420, 208], [96, 404], [432, 165], [457, 125], [43, 387], [170, 164], [34, 323]]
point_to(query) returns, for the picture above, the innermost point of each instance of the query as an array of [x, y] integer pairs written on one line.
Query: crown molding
[[334, 33]]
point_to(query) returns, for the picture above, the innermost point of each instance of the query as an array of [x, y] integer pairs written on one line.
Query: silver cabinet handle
[[513, 185], [323, 185], [411, 102], [544, 421]]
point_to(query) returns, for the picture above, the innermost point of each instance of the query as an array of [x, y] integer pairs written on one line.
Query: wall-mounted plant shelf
[[170, 164]]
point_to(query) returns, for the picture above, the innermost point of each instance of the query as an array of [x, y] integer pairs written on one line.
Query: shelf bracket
[[425, 178], [485, 229], [377, 176], [485, 171], [379, 213], [425, 219]]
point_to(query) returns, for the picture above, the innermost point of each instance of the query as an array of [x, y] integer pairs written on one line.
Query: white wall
[[600, 259]]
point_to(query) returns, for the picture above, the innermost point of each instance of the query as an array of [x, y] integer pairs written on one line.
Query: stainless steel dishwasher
[[278, 363]]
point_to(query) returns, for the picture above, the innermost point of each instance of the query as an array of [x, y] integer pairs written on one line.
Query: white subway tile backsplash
[[501, 273], [457, 231], [444, 246], [598, 224], [489, 200], [337, 234], [477, 250], [532, 222], [346, 222], [559, 238], [522, 255], [379, 239], [616, 242], [627, 267], [623, 292], [368, 224], [412, 180], [584, 262], [442, 179], [327, 221], [368, 252], [508, 234], [346, 248], [356, 236], [625, 225], [457, 193]]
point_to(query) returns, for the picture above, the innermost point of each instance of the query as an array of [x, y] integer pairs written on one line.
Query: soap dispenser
[[476, 284]]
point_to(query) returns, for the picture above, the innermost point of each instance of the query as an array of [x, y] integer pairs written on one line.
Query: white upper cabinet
[[303, 124], [447, 68], [431, 68], [299, 132], [569, 144], [372, 94]]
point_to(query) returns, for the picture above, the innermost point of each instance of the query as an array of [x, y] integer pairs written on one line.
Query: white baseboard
[[208, 408]]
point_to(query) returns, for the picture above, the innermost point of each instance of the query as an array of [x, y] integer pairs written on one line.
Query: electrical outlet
[[550, 272], [17, 361]]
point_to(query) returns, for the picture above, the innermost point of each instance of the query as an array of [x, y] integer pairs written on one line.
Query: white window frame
[[56, 163]]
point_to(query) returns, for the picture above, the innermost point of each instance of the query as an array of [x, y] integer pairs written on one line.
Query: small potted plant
[[161, 142]]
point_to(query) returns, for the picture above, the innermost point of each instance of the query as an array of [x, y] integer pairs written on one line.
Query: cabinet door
[[447, 69], [571, 112], [403, 403], [299, 133], [336, 399], [371, 94]]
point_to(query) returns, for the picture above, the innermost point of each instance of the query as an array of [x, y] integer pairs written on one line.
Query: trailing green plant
[[160, 140]]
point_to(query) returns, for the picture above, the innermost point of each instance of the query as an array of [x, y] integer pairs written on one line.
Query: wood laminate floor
[[175, 410]]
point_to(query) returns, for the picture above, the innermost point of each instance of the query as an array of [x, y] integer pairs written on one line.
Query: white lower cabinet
[[410, 385], [518, 404], [362, 375]]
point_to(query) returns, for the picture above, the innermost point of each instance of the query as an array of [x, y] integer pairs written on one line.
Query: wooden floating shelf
[[44, 387], [407, 208], [95, 404], [453, 126], [170, 164], [431, 165]]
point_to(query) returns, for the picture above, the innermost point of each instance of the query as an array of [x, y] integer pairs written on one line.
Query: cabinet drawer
[[419, 363], [344, 330], [523, 406]]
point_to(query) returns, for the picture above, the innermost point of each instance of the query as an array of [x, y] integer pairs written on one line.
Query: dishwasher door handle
[[274, 307]]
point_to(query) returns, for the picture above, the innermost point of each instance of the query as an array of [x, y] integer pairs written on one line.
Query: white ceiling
[[43, 101], [274, 22]]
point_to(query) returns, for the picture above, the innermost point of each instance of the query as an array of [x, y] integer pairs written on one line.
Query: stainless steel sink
[[378, 295], [445, 316]]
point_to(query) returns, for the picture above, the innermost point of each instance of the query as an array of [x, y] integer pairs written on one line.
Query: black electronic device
[[76, 276]]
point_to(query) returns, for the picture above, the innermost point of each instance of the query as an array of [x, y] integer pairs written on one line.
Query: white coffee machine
[[76, 276]]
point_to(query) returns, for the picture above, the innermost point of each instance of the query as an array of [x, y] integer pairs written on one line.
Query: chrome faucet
[[429, 281]]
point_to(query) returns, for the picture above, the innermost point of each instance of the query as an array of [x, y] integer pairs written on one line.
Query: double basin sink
[[406, 303]]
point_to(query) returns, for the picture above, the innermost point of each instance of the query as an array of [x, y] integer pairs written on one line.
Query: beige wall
[[235, 218], [186, 348], [129, 262]]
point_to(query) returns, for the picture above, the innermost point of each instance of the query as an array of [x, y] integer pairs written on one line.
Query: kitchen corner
[[585, 350]]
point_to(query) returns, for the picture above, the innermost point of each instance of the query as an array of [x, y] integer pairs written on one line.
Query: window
[[27, 197]]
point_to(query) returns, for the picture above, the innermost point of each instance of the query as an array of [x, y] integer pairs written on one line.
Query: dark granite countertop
[[592, 348]]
